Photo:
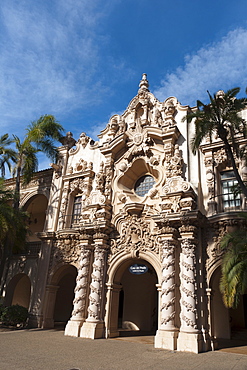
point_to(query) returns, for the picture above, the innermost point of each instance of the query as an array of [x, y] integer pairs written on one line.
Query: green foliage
[[13, 222], [1, 310], [234, 266], [14, 315], [7, 155], [222, 116], [40, 137]]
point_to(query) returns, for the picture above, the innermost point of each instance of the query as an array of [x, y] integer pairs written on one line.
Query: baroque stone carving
[[135, 236], [175, 184], [77, 184], [66, 249], [187, 288], [100, 178], [174, 163], [81, 285], [83, 140], [168, 283], [220, 156], [94, 309], [68, 140], [139, 143]]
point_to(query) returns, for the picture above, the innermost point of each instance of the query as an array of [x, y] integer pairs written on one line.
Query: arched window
[[76, 209], [229, 199], [143, 185]]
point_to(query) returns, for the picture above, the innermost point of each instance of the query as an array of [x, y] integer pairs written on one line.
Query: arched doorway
[[226, 323], [133, 305], [36, 207], [18, 291], [65, 295], [220, 319]]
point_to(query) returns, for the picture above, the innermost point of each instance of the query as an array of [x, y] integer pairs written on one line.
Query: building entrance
[[64, 297], [138, 311]]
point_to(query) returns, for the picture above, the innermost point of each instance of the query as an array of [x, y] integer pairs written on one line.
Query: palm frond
[[234, 266]]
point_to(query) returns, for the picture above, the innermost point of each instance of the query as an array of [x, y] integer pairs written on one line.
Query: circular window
[[143, 185]]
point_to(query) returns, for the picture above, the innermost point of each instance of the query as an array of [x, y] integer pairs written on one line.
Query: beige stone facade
[[126, 233]]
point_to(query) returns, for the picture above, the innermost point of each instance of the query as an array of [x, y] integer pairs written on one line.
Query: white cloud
[[49, 57], [221, 65]]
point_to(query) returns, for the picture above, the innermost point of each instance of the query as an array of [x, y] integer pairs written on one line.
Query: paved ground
[[49, 349]]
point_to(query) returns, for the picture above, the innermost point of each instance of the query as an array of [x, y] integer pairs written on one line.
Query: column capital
[[188, 246], [188, 231]]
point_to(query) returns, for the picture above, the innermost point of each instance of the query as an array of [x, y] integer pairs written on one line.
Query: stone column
[[112, 300], [166, 336], [188, 286], [189, 338], [213, 342], [38, 296], [62, 222], [93, 327], [74, 325]]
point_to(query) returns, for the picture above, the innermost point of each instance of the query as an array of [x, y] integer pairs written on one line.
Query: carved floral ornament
[[139, 143], [66, 249], [174, 162], [135, 236], [77, 184]]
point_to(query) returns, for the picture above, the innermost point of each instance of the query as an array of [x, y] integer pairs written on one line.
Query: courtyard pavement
[[35, 349]]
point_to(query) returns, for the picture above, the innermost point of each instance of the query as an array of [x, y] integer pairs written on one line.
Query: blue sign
[[138, 269]]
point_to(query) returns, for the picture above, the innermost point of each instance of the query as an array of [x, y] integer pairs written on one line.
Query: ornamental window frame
[[144, 184]]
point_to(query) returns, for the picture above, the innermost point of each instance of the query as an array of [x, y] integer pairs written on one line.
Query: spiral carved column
[[189, 338], [81, 288], [94, 309], [93, 327], [188, 284], [167, 333], [74, 325]]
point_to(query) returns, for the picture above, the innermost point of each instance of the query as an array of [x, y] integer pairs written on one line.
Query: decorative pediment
[[143, 111], [178, 195]]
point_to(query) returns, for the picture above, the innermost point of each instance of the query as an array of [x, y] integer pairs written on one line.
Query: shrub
[[1, 310], [14, 315]]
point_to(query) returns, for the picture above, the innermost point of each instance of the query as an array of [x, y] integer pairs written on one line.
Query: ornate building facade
[[125, 233]]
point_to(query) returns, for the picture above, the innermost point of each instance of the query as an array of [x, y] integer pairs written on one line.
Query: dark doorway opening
[[138, 302]]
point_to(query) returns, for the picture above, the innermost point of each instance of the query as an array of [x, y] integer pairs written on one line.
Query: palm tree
[[222, 116], [7, 154], [40, 137], [13, 228], [234, 266]]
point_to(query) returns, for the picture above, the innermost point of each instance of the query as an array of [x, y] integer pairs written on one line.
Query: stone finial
[[144, 85], [68, 140]]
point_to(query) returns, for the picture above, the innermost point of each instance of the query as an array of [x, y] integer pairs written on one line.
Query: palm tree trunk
[[17, 188], [2, 266]]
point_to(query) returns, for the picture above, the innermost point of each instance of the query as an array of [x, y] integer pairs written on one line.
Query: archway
[[65, 295], [36, 207], [226, 323], [220, 319], [18, 291], [133, 299]]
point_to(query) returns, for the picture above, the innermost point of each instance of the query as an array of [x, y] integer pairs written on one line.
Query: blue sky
[[82, 60]]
